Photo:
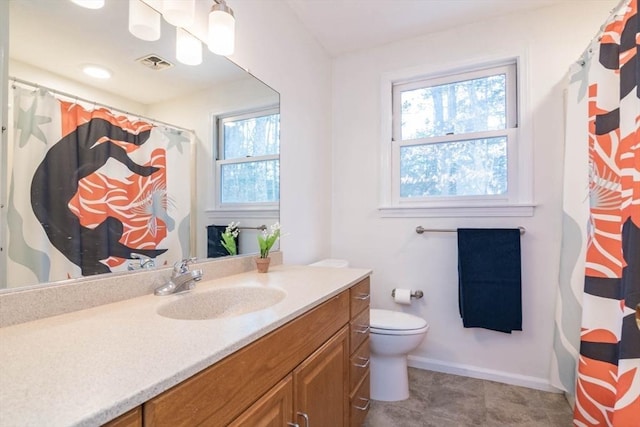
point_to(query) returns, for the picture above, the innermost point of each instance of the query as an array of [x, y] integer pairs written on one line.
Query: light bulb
[[96, 71], [144, 22], [188, 48], [90, 4], [180, 13], [222, 28]]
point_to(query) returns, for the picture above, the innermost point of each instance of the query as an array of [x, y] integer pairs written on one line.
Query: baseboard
[[481, 373], [571, 399]]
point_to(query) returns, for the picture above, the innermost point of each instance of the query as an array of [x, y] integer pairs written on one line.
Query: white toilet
[[393, 335]]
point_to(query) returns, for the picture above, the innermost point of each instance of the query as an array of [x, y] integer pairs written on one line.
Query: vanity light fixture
[[188, 48], [180, 13], [90, 4], [97, 72], [222, 27], [144, 21]]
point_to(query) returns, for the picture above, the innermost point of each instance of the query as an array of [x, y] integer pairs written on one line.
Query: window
[[248, 164], [455, 140]]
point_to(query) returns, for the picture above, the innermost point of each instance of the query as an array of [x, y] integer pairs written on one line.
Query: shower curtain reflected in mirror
[[91, 187]]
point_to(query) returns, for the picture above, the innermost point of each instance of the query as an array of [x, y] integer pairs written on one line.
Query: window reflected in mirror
[[249, 159]]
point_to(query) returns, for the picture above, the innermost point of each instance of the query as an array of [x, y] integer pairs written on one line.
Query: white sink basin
[[218, 303]]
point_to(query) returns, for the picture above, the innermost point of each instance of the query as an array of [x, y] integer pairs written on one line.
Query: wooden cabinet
[[316, 391], [133, 418], [308, 368], [218, 394], [359, 395]]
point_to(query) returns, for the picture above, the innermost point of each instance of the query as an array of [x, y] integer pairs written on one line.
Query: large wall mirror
[[173, 150]]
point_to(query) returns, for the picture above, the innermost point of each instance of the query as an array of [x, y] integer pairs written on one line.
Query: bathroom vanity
[[302, 360]]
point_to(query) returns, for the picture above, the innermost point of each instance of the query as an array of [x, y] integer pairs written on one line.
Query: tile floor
[[443, 400]]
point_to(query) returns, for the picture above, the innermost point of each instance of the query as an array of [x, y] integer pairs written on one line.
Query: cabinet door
[[321, 396], [274, 409], [133, 418]]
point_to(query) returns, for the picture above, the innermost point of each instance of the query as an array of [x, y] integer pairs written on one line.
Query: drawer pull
[[366, 405], [362, 297], [293, 424], [365, 330], [306, 418], [362, 365]]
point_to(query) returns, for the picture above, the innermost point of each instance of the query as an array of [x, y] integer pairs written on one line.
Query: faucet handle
[[183, 266]]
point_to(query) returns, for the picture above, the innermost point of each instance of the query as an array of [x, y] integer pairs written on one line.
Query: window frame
[[517, 201], [218, 132]]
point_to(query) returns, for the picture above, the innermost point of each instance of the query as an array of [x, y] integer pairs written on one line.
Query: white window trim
[[215, 214], [246, 210], [518, 203]]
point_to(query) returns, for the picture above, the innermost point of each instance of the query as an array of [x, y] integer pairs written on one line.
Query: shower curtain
[[603, 145], [90, 188]]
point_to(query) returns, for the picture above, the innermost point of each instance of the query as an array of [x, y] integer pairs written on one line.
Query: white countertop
[[87, 367]]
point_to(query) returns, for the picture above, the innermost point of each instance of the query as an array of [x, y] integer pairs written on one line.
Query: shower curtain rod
[[586, 54], [77, 98]]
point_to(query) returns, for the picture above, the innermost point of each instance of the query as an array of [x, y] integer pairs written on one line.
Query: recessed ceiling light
[[90, 4], [96, 72]]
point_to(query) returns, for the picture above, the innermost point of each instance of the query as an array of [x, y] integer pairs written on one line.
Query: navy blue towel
[[489, 280], [214, 245]]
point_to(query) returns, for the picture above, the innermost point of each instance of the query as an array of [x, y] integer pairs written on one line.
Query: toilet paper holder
[[414, 294]]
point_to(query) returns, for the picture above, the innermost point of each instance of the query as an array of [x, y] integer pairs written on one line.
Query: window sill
[[510, 210], [242, 213]]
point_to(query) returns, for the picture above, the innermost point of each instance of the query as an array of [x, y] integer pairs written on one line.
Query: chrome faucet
[[142, 262], [182, 279]]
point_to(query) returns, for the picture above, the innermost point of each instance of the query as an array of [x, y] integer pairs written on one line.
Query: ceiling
[[61, 37], [342, 26]]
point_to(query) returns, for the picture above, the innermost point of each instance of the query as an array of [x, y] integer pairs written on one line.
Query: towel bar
[[260, 227], [420, 229]]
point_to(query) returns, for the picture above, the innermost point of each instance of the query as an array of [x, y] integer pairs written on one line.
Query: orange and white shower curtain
[[90, 189], [604, 107]]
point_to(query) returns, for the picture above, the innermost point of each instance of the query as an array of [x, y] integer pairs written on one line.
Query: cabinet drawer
[[360, 402], [359, 330], [359, 296], [358, 365]]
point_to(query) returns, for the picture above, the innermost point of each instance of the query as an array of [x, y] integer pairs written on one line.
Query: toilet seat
[[387, 322]]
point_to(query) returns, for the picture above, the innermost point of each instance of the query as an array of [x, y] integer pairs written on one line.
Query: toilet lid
[[395, 320]]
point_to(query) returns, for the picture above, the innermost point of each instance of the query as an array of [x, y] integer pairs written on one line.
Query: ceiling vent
[[154, 62]]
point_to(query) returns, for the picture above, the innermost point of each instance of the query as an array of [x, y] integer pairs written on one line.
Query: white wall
[[48, 79], [196, 112], [273, 45], [551, 39]]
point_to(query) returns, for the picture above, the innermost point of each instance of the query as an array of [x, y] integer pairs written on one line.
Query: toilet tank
[[337, 263]]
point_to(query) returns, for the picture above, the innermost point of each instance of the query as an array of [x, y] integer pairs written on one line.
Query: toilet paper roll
[[402, 296]]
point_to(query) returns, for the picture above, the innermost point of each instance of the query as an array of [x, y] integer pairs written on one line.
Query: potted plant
[[266, 239]]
